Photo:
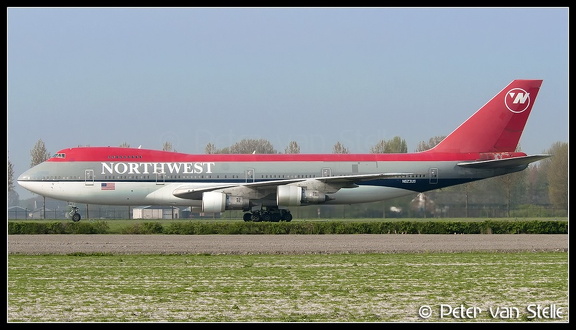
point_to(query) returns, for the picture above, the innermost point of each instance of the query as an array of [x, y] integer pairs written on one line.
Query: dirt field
[[280, 244]]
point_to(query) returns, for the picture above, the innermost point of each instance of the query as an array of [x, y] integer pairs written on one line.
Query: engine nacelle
[[289, 196], [296, 196], [314, 196], [214, 202], [237, 203]]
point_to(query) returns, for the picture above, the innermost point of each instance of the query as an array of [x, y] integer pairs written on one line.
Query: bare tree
[[292, 148], [557, 175], [13, 196], [537, 183], [125, 145], [225, 150], [506, 182], [510, 181], [339, 149], [432, 142], [396, 145], [245, 146], [210, 149], [379, 148], [168, 146], [10, 176], [39, 153], [251, 146]]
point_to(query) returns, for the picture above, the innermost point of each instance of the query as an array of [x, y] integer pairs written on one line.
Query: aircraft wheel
[[266, 216], [247, 216], [288, 217], [76, 217], [255, 217]]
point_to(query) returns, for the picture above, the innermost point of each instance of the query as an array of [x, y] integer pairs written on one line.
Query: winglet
[[498, 125]]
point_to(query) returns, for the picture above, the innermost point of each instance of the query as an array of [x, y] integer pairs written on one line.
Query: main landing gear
[[73, 213], [268, 214]]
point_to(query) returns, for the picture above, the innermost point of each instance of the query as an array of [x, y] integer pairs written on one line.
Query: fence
[[312, 212]]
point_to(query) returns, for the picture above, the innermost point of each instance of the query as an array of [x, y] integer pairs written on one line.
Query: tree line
[[543, 184]]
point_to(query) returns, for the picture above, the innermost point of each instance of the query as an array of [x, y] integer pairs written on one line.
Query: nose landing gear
[[73, 213]]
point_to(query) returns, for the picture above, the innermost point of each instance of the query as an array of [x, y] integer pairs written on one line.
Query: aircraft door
[[159, 178], [433, 175], [249, 174], [88, 177]]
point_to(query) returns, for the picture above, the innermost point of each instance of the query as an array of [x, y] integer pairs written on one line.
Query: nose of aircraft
[[23, 177], [25, 180]]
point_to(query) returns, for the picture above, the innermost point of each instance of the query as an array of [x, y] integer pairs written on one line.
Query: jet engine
[[296, 196], [213, 202]]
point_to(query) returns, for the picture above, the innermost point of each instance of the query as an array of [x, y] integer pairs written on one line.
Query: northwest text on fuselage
[[165, 168]]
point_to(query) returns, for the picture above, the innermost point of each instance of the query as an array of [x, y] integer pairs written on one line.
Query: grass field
[[476, 287]]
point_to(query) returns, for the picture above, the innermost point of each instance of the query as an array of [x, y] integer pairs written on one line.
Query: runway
[[282, 244]]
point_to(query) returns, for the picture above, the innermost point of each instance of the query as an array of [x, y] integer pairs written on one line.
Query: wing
[[329, 184]]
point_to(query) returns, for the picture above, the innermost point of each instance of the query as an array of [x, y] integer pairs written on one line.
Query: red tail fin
[[498, 125]]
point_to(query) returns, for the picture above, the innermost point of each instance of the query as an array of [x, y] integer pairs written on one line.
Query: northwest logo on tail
[[517, 100]]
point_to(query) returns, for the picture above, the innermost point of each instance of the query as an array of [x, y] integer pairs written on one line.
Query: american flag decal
[[107, 186]]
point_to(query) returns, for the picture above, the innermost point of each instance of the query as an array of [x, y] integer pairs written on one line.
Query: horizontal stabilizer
[[504, 163]]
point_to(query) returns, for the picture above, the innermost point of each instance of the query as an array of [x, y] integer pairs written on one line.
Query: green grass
[[283, 288]]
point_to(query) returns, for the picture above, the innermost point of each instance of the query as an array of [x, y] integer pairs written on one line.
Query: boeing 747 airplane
[[264, 185]]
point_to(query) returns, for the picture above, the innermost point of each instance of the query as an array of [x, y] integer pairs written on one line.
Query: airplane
[[265, 185]]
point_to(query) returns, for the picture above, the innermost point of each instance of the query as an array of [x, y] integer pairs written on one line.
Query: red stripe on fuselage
[[116, 154]]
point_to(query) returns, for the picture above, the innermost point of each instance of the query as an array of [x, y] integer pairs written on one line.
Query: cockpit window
[[59, 155]]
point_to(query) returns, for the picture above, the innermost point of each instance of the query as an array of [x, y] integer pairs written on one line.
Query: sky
[[192, 76]]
